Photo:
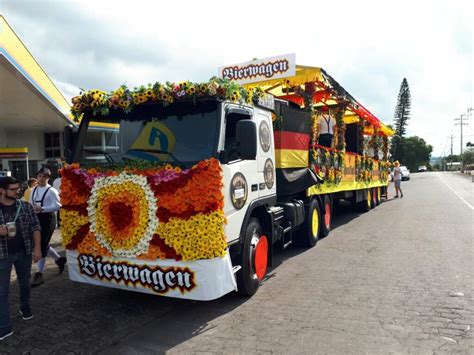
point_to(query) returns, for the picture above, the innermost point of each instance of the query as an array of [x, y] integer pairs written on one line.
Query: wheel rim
[[261, 257], [315, 222], [327, 215]]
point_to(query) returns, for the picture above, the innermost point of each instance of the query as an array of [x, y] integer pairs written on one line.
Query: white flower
[[152, 223]]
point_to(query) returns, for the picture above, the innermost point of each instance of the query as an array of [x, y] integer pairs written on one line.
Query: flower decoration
[[122, 214], [99, 102], [364, 168], [327, 164], [145, 211]]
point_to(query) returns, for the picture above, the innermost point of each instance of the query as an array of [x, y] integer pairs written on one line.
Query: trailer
[[211, 178]]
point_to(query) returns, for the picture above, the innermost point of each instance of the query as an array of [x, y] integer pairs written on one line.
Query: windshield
[[182, 135]]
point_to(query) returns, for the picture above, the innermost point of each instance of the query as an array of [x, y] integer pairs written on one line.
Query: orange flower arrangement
[[166, 212]]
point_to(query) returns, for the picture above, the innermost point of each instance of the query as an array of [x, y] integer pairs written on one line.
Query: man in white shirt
[[45, 201], [327, 127]]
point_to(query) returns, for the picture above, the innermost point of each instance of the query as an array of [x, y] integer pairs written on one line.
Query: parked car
[[405, 173], [422, 168]]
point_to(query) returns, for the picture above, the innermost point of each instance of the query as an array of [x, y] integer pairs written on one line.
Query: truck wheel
[[312, 226], [370, 200], [253, 259], [378, 193], [327, 216], [364, 206], [374, 197]]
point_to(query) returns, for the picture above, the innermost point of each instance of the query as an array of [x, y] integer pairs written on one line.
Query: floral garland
[[328, 164], [99, 102], [364, 166], [384, 168], [161, 212], [385, 147]]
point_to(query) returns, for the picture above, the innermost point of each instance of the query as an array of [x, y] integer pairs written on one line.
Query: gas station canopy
[[29, 100]]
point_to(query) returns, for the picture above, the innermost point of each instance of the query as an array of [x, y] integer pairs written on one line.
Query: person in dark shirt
[[20, 244]]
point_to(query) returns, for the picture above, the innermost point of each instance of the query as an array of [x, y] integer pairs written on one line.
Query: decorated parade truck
[[209, 179]]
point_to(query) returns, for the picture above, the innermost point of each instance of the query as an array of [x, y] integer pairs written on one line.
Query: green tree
[[402, 114], [467, 158], [413, 152], [449, 159]]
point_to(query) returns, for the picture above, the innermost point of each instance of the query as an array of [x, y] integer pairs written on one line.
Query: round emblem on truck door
[[269, 173], [238, 190], [264, 136]]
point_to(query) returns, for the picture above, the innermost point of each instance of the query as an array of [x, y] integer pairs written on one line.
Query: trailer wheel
[[363, 206], [378, 193], [327, 216], [370, 200], [253, 259], [312, 226]]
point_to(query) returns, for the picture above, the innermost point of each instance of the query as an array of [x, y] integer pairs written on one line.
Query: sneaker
[[5, 334], [37, 279], [401, 196], [396, 196], [61, 262], [26, 314]]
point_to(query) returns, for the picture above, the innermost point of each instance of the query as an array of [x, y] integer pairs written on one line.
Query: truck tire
[[327, 216], [373, 192], [378, 194], [365, 205], [370, 198], [253, 259], [312, 226]]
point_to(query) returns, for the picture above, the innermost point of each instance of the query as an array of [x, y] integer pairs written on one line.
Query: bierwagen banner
[[260, 69], [198, 280]]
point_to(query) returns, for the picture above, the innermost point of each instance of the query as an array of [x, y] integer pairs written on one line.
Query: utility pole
[[461, 123], [451, 144]]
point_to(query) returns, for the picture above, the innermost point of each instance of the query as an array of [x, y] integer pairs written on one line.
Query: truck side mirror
[[246, 137]]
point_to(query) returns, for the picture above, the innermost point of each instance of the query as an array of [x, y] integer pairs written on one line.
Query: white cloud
[[367, 46]]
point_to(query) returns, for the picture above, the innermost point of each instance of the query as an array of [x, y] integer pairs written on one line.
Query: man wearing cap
[[327, 126], [45, 201]]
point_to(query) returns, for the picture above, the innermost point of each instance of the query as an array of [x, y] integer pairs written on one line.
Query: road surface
[[398, 279]]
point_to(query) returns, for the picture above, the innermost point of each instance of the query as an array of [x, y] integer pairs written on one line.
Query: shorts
[[398, 183], [325, 140]]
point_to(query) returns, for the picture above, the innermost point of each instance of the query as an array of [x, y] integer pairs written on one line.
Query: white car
[[405, 173], [422, 168]]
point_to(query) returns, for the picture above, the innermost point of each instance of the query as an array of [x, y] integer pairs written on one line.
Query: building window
[[52, 145], [104, 141]]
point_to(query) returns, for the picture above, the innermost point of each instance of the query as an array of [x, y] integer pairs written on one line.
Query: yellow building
[[34, 113]]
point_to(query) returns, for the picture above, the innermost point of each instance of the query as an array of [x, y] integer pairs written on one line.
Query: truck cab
[[240, 136]]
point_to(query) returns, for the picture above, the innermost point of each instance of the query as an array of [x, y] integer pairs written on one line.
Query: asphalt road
[[398, 279]]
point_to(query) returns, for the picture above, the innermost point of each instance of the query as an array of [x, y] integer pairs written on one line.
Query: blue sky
[[367, 46]]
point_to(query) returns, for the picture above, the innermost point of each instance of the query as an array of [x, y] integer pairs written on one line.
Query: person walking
[[397, 179], [45, 201], [31, 184], [20, 241]]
